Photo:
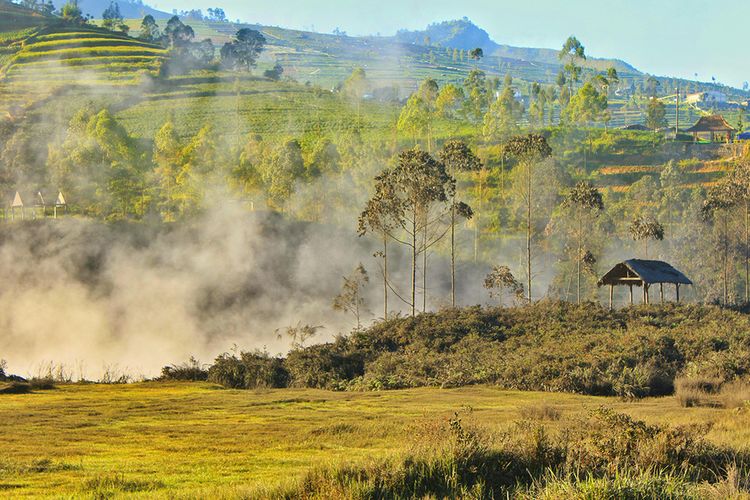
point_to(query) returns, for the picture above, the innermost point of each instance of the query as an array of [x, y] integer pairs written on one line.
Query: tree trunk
[[747, 249], [528, 232], [385, 276], [414, 266], [453, 253], [424, 269]]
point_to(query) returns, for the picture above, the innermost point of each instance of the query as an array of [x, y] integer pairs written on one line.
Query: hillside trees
[[72, 13], [719, 201], [100, 166], [502, 118], [111, 18], [477, 95], [167, 156], [243, 51], [645, 229], [449, 100]]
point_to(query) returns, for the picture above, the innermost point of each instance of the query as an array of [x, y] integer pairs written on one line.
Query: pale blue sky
[[663, 37]]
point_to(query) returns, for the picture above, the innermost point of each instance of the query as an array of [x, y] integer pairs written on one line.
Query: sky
[[662, 37]]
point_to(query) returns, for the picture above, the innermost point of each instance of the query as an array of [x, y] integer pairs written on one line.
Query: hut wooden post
[[631, 294], [677, 291], [645, 294], [611, 295], [661, 292]]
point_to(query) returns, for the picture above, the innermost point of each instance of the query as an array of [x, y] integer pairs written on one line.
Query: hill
[[128, 8], [464, 34]]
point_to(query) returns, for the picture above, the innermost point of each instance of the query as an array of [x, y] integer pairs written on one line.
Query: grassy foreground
[[196, 440]]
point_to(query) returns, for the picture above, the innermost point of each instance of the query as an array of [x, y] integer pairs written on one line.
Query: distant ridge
[[130, 9], [464, 34]]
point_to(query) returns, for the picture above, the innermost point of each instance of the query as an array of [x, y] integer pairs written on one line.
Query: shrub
[[191, 370], [695, 391], [249, 371], [15, 388], [735, 394]]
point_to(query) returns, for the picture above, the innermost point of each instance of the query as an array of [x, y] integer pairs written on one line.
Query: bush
[[15, 388], [250, 371], [545, 346], [191, 370], [694, 391]]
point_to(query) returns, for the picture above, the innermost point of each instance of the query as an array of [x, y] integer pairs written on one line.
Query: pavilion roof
[[639, 271], [713, 123]]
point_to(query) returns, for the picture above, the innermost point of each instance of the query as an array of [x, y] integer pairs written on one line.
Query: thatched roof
[[713, 123], [639, 271]]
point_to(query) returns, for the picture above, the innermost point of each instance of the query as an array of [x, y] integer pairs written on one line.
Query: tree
[[274, 73], [243, 51], [177, 33], [656, 114], [419, 112], [528, 150], [350, 298], [167, 157], [612, 78], [476, 54], [502, 118], [645, 229], [739, 177], [111, 16], [587, 106], [356, 84], [457, 157], [500, 281], [476, 89], [584, 203], [719, 200], [380, 216], [572, 52], [414, 187], [149, 31], [71, 12], [449, 100]]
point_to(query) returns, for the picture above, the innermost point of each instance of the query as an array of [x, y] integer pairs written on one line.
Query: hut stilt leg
[[631, 294], [677, 292], [611, 294], [661, 292], [645, 295]]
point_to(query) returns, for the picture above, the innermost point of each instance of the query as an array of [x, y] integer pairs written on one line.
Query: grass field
[[196, 440]]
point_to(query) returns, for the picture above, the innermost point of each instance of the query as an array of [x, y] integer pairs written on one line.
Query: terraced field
[[57, 57]]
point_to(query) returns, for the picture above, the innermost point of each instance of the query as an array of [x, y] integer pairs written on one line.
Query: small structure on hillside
[[643, 273], [636, 126], [709, 127]]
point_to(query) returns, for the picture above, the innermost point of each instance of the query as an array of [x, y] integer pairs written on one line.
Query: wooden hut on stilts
[[645, 274]]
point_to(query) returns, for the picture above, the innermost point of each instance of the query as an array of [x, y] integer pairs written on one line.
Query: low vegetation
[[548, 346]]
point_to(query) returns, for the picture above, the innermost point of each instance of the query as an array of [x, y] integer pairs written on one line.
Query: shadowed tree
[[350, 298], [457, 157], [500, 281], [645, 229], [243, 51], [177, 33], [528, 150], [149, 31], [740, 177]]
